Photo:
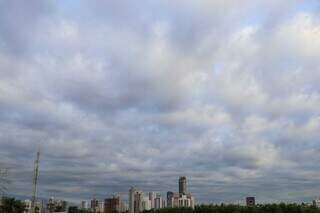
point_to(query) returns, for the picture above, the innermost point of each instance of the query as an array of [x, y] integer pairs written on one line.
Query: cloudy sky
[[136, 93]]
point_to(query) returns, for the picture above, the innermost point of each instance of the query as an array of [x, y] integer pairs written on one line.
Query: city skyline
[[122, 93]]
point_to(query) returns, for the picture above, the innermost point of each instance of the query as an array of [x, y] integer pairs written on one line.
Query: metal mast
[[35, 180]]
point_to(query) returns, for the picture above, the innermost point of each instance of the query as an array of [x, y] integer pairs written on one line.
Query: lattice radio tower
[[35, 181]]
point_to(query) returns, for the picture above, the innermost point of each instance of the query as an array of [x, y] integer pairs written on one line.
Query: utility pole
[[35, 181]]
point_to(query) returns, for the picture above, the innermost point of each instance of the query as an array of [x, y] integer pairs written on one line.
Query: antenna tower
[[35, 181]]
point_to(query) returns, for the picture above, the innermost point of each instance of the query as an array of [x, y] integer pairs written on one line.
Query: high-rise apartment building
[[94, 205], [181, 199], [84, 205], [135, 200], [164, 203], [112, 205], [182, 185], [152, 196], [138, 202], [97, 206], [158, 201], [169, 199], [146, 203]]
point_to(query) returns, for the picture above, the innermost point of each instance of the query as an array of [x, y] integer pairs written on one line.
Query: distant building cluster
[[108, 205], [139, 201], [53, 205]]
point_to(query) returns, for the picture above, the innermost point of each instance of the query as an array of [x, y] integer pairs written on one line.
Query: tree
[[11, 205], [84, 211]]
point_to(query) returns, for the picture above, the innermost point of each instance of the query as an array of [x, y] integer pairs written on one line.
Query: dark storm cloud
[[122, 94]]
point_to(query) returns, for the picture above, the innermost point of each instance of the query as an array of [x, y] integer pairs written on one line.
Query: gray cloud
[[121, 94]]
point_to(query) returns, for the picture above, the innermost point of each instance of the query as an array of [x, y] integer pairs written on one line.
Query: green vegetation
[[83, 211], [267, 208], [11, 205]]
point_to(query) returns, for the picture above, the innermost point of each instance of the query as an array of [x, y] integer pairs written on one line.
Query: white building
[[181, 200], [101, 206], [55, 205], [146, 203], [38, 206], [316, 203], [186, 201], [84, 205], [138, 202], [152, 196], [96, 206], [135, 200], [158, 201]]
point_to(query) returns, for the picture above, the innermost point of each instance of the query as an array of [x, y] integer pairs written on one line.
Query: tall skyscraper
[[131, 199], [181, 199], [158, 201], [182, 185], [135, 200], [169, 199], [152, 196]]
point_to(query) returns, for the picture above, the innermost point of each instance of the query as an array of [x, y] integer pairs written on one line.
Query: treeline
[[223, 208], [11, 205]]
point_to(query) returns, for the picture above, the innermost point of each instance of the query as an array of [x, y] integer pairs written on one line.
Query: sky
[[137, 93]]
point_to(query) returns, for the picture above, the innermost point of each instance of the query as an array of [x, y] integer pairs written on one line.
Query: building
[[158, 201], [181, 199], [135, 200], [164, 203], [112, 205], [186, 201], [152, 196], [316, 203], [97, 206], [124, 207], [250, 201], [182, 185], [57, 205], [84, 205], [169, 199], [146, 203], [100, 207], [138, 202], [38, 206], [94, 205]]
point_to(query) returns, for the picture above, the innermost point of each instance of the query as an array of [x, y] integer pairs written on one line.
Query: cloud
[[120, 94]]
